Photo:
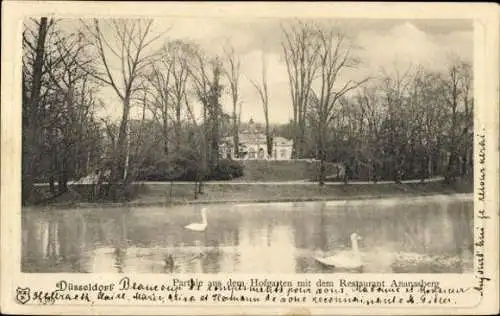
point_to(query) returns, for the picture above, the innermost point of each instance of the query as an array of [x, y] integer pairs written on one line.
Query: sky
[[382, 44]]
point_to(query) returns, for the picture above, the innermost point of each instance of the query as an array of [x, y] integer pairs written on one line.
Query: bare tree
[[334, 56], [264, 97], [160, 80], [180, 73], [424, 110], [369, 105], [66, 141], [126, 42], [232, 73], [215, 112], [71, 116], [140, 143], [458, 97], [206, 75], [300, 50], [396, 88], [201, 146], [32, 85]]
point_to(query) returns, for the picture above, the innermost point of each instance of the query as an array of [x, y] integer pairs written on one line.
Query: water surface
[[422, 235]]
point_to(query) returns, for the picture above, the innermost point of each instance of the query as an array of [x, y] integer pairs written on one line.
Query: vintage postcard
[[249, 158]]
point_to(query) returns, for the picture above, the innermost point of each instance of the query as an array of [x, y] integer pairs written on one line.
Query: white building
[[253, 146]]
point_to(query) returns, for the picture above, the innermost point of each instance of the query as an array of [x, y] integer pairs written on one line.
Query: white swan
[[199, 227], [346, 259]]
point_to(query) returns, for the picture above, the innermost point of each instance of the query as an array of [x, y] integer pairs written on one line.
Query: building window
[[282, 153], [251, 153], [261, 153]]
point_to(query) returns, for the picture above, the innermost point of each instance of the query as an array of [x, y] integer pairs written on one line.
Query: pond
[[421, 235]]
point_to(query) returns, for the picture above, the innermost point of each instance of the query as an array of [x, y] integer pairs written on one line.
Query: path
[[297, 182], [301, 182]]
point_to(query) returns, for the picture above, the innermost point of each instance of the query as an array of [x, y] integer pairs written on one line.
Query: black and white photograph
[[182, 145], [260, 159]]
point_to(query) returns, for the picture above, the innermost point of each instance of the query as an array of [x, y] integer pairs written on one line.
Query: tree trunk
[[117, 170], [295, 134], [52, 184], [214, 137], [465, 162], [165, 143], [321, 147], [347, 172], [375, 172], [62, 184], [31, 126], [178, 131], [269, 140], [452, 166], [322, 177], [200, 187], [236, 140], [424, 167], [302, 140]]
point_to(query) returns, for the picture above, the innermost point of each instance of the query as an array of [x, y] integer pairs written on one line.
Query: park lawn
[[286, 170]]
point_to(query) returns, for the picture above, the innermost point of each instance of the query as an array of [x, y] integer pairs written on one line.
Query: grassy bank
[[277, 192], [286, 170], [183, 193]]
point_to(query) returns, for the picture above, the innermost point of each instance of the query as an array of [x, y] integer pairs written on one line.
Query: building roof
[[282, 141], [258, 138]]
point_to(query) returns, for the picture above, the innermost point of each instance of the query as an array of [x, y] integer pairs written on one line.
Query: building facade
[[253, 146]]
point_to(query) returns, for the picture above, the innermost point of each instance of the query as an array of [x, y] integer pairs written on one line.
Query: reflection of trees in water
[[425, 228], [438, 228], [120, 242], [306, 234], [444, 230], [235, 237], [223, 231], [52, 252], [211, 261], [59, 240], [308, 227], [322, 232], [72, 240], [119, 256], [55, 240], [227, 228], [463, 234], [409, 228], [35, 247], [170, 232]]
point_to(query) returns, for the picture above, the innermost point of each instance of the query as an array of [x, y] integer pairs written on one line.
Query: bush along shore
[[175, 193]]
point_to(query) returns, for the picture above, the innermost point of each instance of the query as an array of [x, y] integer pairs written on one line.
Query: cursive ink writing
[[482, 170], [482, 148], [479, 256]]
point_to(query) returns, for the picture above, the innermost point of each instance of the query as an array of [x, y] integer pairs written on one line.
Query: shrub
[[181, 167], [185, 168], [226, 170]]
